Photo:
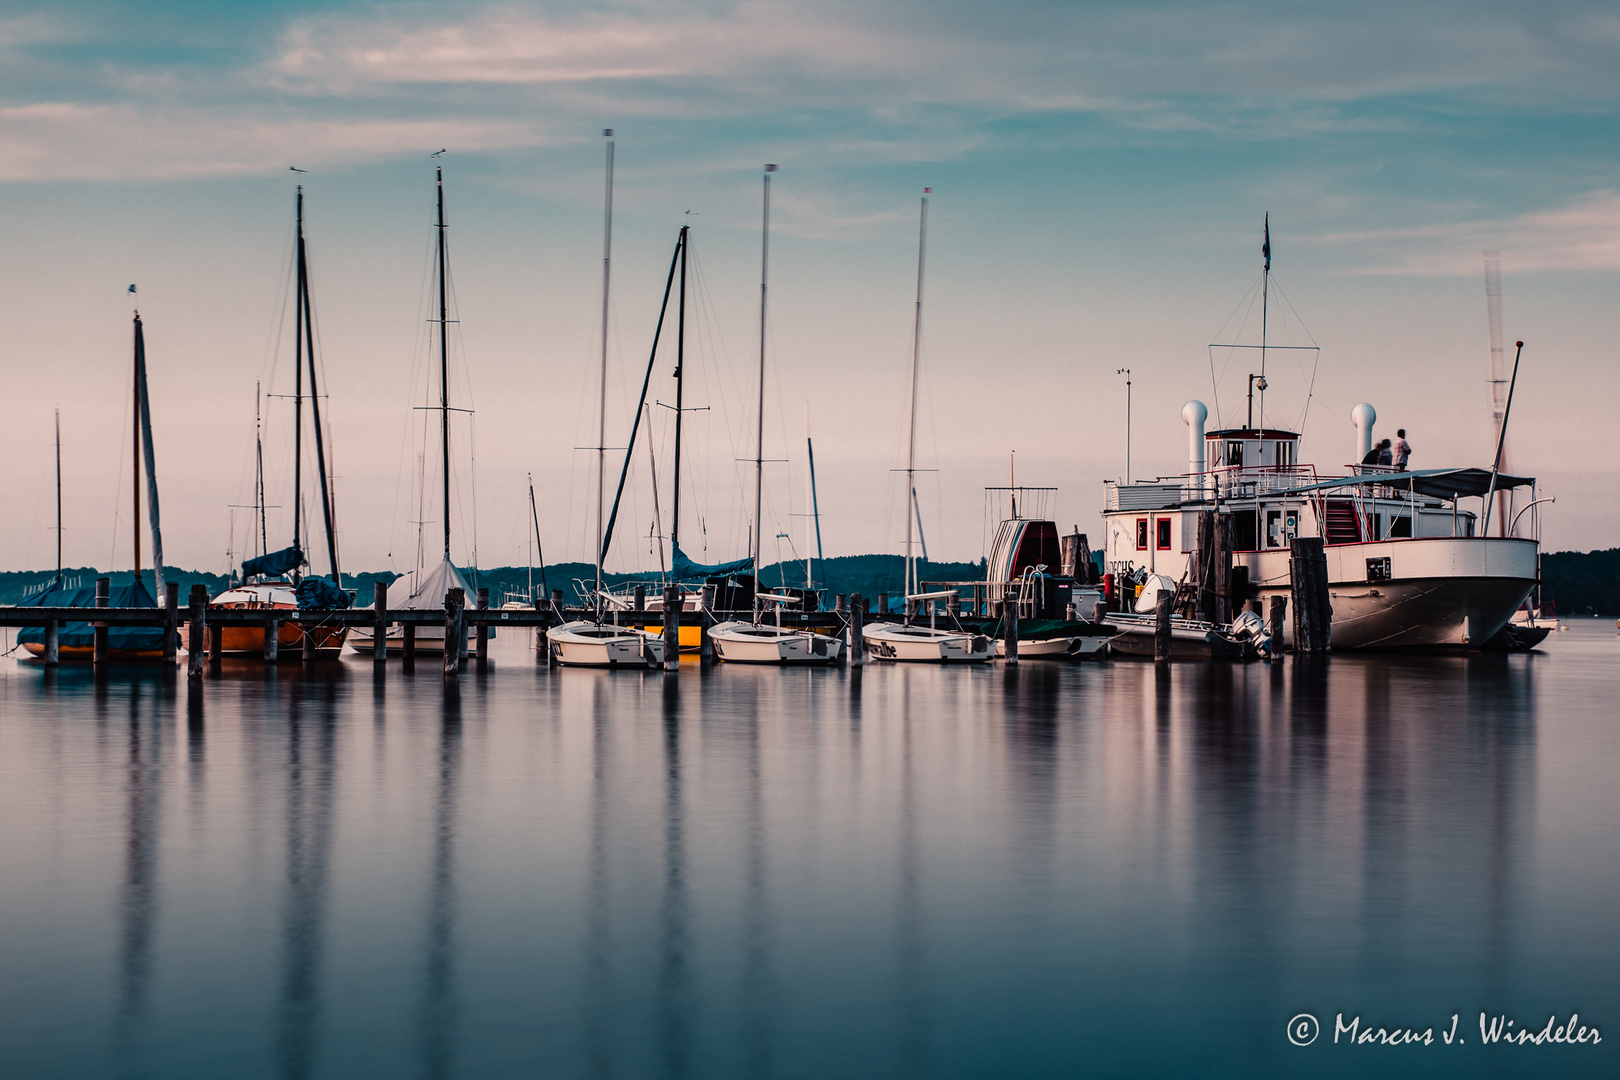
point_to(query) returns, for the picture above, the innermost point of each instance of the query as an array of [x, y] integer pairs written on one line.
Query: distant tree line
[[1582, 583]]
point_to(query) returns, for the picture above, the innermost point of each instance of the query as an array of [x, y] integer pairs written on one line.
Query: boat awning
[[1435, 483]]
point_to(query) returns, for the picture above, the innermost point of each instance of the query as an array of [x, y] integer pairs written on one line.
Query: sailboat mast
[[815, 508], [601, 415], [258, 465], [315, 395], [58, 498], [680, 379], [1265, 299], [539, 548], [916, 353], [298, 393], [135, 437], [810, 500], [444, 372], [759, 443]]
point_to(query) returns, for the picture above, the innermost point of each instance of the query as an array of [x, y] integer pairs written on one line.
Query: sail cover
[[429, 585], [81, 634], [273, 563], [318, 592], [684, 569]]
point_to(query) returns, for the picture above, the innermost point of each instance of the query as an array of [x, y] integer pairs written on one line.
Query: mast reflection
[[439, 1008]]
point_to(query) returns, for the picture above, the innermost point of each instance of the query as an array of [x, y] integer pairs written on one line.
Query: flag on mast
[[1265, 248]]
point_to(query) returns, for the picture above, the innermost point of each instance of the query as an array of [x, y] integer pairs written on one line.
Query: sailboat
[[275, 579], [428, 585], [590, 642], [755, 641], [907, 640], [76, 641]]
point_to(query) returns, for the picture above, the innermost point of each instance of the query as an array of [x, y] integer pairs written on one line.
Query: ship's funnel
[[1193, 414], [1363, 416]]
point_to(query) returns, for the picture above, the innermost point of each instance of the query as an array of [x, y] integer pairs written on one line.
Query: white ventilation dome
[[1363, 416]]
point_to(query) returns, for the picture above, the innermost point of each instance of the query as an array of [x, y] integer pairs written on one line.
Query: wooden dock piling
[[379, 628], [171, 622], [1161, 625], [197, 632], [672, 627], [483, 631], [453, 599], [1313, 614], [53, 650], [857, 640], [407, 649], [1009, 630], [98, 652], [309, 642], [1274, 623], [272, 641]]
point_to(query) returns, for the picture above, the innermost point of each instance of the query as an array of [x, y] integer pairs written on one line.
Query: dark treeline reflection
[[755, 873]]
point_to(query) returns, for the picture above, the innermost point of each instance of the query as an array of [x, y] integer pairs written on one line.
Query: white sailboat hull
[[1059, 648], [750, 643], [922, 644], [587, 644]]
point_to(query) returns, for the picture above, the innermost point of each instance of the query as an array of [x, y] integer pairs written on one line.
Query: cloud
[[1583, 234]]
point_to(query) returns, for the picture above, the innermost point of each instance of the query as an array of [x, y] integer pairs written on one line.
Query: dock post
[[99, 652], [1313, 615], [1274, 623], [197, 636], [53, 654], [1161, 625], [407, 651], [883, 603], [840, 603], [272, 640], [171, 622], [379, 625], [1224, 609], [462, 650], [483, 631], [639, 603], [307, 632], [953, 604], [857, 639], [672, 627], [453, 631], [1009, 631]]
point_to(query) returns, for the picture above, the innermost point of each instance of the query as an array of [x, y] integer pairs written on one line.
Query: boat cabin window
[[1234, 452], [1164, 534], [1274, 536], [1141, 534], [1401, 526], [1285, 454]]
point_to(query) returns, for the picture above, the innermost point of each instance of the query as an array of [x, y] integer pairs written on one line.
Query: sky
[[1100, 175]]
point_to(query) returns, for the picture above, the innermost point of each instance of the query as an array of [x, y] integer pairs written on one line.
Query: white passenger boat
[[584, 643], [759, 643]]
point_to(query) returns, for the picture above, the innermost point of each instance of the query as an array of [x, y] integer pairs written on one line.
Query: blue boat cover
[[81, 634], [273, 563], [684, 569], [318, 592]]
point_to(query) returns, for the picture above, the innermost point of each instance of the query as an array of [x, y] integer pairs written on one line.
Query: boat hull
[[249, 641], [585, 644], [1136, 639], [920, 644], [87, 653], [429, 640], [1058, 648], [748, 643]]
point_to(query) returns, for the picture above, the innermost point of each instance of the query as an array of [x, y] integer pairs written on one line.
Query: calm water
[[1052, 871]]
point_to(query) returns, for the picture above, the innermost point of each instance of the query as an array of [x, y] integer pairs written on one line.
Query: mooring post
[[171, 622], [453, 600], [883, 603], [307, 635], [483, 631], [639, 603], [840, 604], [379, 625], [1009, 630], [1279, 612], [99, 652], [1098, 611], [1224, 609], [1161, 625], [197, 632], [272, 640], [1313, 615], [407, 649], [857, 638], [52, 649], [672, 627]]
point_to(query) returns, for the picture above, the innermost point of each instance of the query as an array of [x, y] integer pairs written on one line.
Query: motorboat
[[908, 641], [586, 643], [760, 643]]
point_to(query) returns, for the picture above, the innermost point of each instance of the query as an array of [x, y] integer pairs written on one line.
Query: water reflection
[[740, 872]]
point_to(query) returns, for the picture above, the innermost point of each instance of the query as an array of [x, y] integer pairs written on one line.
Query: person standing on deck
[[1402, 450]]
